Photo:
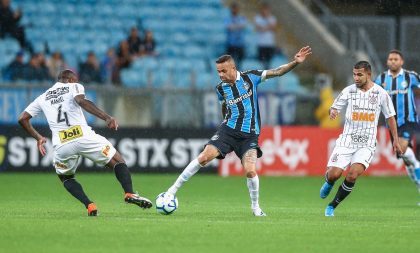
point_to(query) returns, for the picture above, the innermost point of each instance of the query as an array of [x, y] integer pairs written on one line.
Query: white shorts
[[94, 147], [342, 157]]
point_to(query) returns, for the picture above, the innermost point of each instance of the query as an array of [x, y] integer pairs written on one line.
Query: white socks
[[411, 157], [188, 172], [254, 187]]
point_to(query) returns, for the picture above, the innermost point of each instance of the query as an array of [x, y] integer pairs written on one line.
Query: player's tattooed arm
[[283, 69], [91, 108]]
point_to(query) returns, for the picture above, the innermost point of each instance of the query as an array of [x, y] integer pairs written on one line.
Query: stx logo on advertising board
[[362, 116]]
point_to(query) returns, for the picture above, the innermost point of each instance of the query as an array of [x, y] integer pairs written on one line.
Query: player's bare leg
[[346, 187], [249, 161], [123, 175], [207, 155], [76, 190], [332, 174]]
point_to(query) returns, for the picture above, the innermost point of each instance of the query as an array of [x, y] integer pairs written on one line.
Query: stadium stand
[[189, 37]]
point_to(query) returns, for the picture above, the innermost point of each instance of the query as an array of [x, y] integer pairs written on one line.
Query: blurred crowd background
[[151, 63]]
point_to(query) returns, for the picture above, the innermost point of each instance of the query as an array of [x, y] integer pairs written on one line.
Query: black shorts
[[407, 130], [227, 140]]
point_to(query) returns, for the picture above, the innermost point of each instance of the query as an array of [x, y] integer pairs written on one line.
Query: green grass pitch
[[38, 215]]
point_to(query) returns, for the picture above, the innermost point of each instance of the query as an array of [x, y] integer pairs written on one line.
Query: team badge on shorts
[[334, 158], [215, 137], [60, 165], [105, 150]]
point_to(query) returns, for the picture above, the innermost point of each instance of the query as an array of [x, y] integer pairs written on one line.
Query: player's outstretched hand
[[303, 52], [111, 122], [41, 141], [397, 148], [333, 113]]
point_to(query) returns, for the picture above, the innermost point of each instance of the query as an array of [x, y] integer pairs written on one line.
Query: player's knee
[[334, 174], [352, 176], [63, 178], [203, 158], [118, 158], [251, 174]]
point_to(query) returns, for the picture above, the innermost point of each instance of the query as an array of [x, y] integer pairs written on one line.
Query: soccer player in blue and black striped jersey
[[402, 86], [241, 126]]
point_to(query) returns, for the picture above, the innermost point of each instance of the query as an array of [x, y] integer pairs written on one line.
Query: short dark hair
[[363, 65], [396, 51], [224, 58], [66, 75]]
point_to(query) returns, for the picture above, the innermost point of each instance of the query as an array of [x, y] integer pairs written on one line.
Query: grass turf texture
[[38, 215]]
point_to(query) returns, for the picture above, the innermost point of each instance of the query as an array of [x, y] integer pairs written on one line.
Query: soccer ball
[[166, 203]]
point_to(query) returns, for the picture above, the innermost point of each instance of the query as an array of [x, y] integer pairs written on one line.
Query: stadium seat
[[278, 60], [192, 33], [251, 64], [290, 83], [133, 79]]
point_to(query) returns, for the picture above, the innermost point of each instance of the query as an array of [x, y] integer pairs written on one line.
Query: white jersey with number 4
[[362, 114], [64, 115]]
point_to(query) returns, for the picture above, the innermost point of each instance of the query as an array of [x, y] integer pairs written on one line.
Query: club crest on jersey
[[373, 100], [404, 84], [246, 85]]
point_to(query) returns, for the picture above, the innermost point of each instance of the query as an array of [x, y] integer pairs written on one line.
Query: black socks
[[123, 175], [344, 190], [76, 190]]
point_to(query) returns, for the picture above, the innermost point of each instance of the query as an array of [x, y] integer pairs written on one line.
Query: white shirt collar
[[399, 73], [238, 76]]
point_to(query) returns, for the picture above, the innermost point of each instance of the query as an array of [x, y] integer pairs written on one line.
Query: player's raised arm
[[91, 108], [283, 69]]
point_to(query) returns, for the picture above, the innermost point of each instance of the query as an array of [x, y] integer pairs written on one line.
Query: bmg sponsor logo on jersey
[[362, 116]]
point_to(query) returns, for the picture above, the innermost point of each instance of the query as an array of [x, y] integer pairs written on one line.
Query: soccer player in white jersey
[[355, 147], [73, 138]]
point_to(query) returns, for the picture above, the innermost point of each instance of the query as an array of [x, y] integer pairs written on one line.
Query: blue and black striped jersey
[[400, 89], [242, 102]]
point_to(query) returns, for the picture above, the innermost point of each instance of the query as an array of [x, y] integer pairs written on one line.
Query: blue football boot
[[325, 190]]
